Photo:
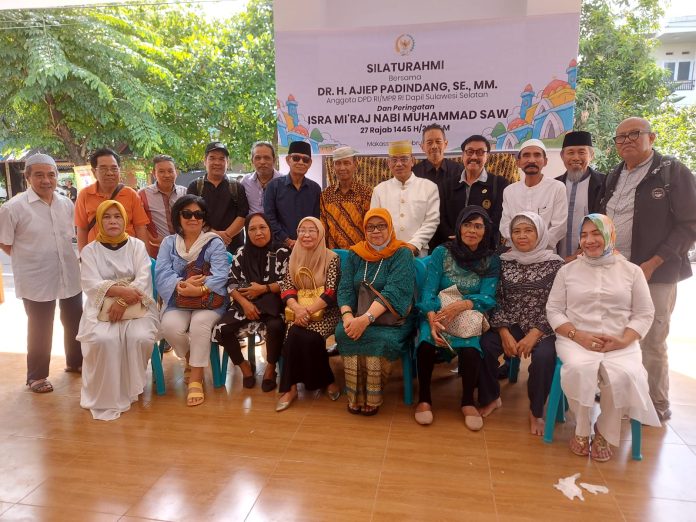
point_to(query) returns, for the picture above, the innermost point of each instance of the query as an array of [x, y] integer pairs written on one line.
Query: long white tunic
[[115, 354], [547, 198], [604, 299], [414, 207]]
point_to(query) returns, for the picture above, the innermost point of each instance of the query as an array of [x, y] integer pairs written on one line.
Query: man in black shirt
[[474, 186], [226, 199]]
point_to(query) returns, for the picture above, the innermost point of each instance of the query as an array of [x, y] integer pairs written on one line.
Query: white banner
[[508, 79]]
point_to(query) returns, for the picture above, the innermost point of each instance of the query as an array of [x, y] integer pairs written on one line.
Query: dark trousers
[[228, 332], [40, 334], [540, 369], [469, 360], [305, 360]]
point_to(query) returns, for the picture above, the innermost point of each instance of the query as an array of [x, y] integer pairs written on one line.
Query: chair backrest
[[421, 264], [153, 262], [342, 254], [230, 258]]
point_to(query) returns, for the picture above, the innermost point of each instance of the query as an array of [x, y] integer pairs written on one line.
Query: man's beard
[[574, 175]]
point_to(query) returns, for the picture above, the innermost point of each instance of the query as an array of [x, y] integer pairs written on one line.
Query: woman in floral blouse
[[518, 324]]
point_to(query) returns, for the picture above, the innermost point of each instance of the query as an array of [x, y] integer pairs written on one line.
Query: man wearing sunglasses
[[413, 202], [473, 186], [292, 197], [652, 200], [226, 198]]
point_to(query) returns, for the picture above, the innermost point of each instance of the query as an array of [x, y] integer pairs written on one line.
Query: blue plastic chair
[[156, 357], [558, 404]]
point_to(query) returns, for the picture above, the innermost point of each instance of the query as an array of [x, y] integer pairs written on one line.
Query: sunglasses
[[188, 214], [297, 158]]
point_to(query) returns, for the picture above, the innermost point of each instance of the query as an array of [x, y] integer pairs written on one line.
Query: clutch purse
[[306, 297], [469, 323], [134, 311]]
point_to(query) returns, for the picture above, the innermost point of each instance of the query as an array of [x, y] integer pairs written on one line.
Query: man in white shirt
[[36, 231], [414, 203], [536, 193]]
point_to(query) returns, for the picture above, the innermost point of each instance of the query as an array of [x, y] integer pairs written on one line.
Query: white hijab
[[540, 253]]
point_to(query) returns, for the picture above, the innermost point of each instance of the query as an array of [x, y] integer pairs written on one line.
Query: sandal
[[354, 411], [580, 446], [373, 410], [70, 369], [601, 449], [40, 386], [195, 391]]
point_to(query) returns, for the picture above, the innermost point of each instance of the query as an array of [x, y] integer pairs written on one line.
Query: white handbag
[[469, 323], [134, 311]]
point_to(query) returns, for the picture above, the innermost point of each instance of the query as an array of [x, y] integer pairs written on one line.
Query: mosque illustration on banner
[[547, 117], [290, 129]]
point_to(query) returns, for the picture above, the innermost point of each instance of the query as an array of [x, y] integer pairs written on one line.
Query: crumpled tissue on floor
[[571, 490]]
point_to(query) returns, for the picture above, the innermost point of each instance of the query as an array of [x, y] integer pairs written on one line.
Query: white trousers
[[623, 385], [189, 331]]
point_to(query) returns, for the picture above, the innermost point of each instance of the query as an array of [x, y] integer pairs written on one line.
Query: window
[[680, 71]]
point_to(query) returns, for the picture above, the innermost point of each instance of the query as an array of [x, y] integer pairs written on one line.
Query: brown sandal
[[580, 446], [601, 449], [40, 386]]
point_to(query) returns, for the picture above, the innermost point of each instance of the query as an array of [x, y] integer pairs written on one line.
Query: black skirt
[[305, 360]]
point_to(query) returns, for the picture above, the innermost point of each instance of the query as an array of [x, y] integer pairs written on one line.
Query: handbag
[[134, 311], [366, 296], [469, 323], [306, 296], [208, 301]]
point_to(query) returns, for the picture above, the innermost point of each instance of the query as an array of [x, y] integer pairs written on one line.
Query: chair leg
[[556, 403], [636, 440], [215, 364], [406, 363], [514, 369], [251, 352], [157, 370]]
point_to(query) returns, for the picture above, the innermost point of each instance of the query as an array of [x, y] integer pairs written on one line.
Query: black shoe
[[249, 382], [370, 413], [332, 350], [269, 384], [354, 411]]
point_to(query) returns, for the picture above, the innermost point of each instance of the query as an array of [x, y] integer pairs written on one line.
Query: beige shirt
[[44, 262], [414, 207]]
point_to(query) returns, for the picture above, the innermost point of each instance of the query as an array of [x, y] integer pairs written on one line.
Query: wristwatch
[[571, 334], [370, 317]]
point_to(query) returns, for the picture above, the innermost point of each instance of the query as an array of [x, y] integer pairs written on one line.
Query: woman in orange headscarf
[[375, 297]]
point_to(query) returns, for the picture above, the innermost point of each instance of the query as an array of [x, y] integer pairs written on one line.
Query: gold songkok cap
[[400, 148]]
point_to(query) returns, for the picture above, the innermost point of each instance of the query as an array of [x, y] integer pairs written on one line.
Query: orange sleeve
[[81, 210], [138, 215]]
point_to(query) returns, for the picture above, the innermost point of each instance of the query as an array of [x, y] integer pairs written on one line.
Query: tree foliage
[[617, 76], [676, 133], [154, 79]]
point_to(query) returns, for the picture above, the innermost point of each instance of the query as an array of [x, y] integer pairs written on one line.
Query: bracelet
[[347, 312], [204, 290], [121, 302]]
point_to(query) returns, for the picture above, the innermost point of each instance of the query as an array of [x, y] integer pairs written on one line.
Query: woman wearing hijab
[[116, 280], [255, 305], [304, 352], [188, 330], [600, 307], [469, 263], [367, 348], [518, 324]]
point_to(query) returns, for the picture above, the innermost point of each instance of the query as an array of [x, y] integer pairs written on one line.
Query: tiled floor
[[234, 458]]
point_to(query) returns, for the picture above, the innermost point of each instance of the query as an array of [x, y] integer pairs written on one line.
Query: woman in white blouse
[[600, 308]]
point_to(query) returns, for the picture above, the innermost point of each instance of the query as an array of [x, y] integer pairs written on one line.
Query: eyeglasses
[[376, 228], [115, 169], [399, 159], [475, 152], [195, 214], [297, 158], [630, 136], [307, 232], [478, 227]]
